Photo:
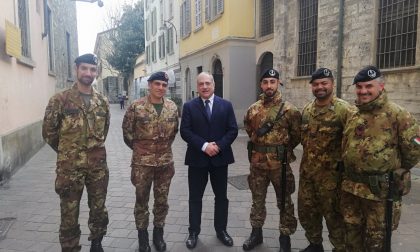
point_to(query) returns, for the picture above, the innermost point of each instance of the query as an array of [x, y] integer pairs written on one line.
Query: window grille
[[308, 26], [397, 33], [266, 17]]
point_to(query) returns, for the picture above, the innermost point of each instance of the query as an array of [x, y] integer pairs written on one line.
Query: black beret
[[88, 58], [367, 73], [162, 76], [321, 73], [270, 73]]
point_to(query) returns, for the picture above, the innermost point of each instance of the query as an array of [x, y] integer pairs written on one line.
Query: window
[[147, 54], [69, 64], [147, 29], [170, 43], [308, 26], [185, 19], [154, 22], [161, 12], [197, 14], [397, 33], [48, 32], [161, 46], [24, 27], [171, 9], [214, 8], [154, 51], [266, 17]]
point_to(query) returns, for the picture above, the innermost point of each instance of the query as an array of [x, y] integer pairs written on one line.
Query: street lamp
[[173, 26], [100, 3]]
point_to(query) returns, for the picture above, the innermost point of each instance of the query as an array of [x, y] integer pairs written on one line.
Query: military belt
[[268, 149], [373, 181]]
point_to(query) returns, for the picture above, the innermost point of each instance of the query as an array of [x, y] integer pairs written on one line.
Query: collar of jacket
[[75, 97], [378, 103]]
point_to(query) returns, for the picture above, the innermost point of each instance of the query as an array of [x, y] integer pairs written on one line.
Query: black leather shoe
[[285, 243], [314, 248], [225, 238], [158, 241], [191, 241], [255, 239]]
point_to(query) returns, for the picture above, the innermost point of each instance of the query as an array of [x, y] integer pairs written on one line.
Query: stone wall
[[359, 49]]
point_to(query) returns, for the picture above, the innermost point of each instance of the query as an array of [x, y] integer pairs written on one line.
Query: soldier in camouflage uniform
[[149, 128], [75, 125], [266, 155], [379, 139], [323, 121]]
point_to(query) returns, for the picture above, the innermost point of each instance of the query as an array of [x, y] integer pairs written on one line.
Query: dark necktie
[[208, 111]]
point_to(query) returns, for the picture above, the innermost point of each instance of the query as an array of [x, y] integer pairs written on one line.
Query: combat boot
[[158, 241], [256, 238], [143, 240], [314, 248], [285, 243], [96, 245]]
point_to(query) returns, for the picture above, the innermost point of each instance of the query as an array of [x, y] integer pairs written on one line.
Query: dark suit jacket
[[196, 129]]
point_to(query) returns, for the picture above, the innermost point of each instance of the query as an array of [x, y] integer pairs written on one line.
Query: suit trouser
[[197, 181], [69, 186]]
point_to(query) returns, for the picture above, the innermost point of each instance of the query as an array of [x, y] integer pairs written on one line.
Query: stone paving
[[29, 201]]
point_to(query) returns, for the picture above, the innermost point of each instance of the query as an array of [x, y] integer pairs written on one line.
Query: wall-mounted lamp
[[100, 3], [164, 27]]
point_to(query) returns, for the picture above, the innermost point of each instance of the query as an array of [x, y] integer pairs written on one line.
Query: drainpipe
[[340, 48]]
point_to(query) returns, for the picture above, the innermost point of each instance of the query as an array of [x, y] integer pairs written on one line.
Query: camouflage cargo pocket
[[290, 186], [402, 181]]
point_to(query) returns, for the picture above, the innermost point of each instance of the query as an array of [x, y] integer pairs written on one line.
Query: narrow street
[[30, 207]]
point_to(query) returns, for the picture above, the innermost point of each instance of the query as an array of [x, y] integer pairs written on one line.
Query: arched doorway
[[265, 62], [188, 89], [218, 77]]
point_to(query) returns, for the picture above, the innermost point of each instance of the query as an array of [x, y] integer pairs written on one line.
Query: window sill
[[51, 73], [27, 62], [400, 69], [198, 28], [265, 38]]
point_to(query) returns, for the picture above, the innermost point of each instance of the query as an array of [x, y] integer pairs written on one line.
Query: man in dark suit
[[209, 127]]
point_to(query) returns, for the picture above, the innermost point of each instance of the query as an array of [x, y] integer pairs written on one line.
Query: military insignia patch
[[272, 73], [326, 72], [371, 73], [416, 140]]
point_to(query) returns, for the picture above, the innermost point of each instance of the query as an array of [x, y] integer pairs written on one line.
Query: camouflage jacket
[[150, 135], [322, 129], [378, 139], [71, 128], [286, 131]]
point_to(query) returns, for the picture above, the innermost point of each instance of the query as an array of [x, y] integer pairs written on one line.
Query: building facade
[[345, 36], [38, 44], [109, 82], [217, 38], [161, 27]]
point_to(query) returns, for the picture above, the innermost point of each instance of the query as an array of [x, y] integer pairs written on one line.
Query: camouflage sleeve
[[108, 117], [128, 126], [247, 121], [51, 123], [294, 118], [408, 139]]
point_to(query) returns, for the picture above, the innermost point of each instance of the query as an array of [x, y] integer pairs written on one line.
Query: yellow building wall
[[237, 21]]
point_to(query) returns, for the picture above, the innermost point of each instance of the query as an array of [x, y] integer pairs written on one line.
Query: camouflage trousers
[[259, 181], [365, 222], [318, 198], [69, 186], [142, 178]]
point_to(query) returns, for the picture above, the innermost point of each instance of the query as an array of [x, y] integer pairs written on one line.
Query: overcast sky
[[91, 19]]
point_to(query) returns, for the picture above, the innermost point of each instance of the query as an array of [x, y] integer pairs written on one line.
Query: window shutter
[[219, 6], [207, 10], [182, 23], [188, 17]]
